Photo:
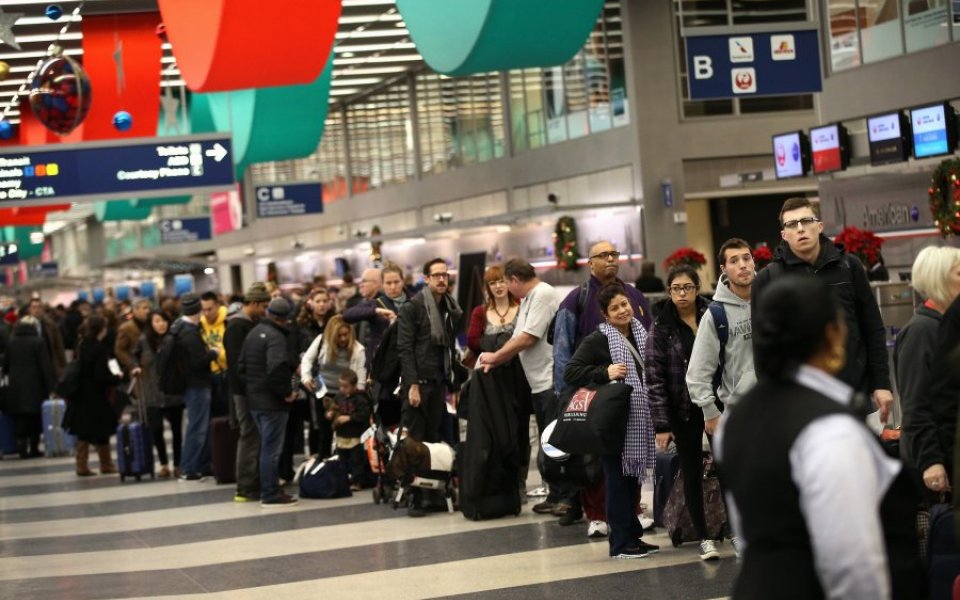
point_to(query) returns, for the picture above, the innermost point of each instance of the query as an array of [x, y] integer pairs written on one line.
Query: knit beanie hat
[[257, 292], [279, 308], [190, 304]]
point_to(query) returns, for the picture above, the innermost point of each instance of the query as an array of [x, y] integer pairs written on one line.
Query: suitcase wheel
[[676, 538], [376, 496]]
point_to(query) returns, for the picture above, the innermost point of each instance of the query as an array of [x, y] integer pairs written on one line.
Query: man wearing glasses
[[579, 315], [806, 250]]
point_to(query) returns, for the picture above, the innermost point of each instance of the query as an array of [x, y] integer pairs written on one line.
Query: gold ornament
[[4, 71]]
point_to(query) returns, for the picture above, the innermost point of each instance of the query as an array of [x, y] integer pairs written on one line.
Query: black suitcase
[[664, 474], [223, 450]]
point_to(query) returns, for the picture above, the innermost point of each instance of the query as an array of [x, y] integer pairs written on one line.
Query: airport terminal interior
[[162, 150]]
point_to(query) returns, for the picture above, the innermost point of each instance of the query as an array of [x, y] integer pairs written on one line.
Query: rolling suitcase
[[8, 440], [664, 474], [56, 441], [223, 450], [676, 517], [135, 445]]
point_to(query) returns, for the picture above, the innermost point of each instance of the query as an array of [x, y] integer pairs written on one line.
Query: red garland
[[863, 244]]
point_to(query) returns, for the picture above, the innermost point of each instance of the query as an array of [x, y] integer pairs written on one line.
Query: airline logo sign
[[759, 64]]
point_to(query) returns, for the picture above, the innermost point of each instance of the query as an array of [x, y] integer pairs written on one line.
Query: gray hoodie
[[738, 374]]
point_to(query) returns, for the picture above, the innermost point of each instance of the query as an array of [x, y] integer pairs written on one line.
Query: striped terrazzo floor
[[95, 538]]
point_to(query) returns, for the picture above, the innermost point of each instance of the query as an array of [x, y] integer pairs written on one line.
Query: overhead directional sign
[[136, 168], [289, 200], [184, 231], [737, 62]]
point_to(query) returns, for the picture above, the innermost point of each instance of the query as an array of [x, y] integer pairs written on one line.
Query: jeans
[[622, 492], [248, 450], [196, 447], [272, 425]]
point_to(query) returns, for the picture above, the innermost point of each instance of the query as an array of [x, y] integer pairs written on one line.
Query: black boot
[[35, 446], [22, 448]]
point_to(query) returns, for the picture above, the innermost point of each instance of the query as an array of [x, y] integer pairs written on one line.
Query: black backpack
[[171, 368], [385, 366]]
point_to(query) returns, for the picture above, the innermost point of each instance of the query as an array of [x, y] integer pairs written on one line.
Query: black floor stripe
[[78, 484], [259, 523], [690, 581], [37, 466], [359, 559], [117, 507]]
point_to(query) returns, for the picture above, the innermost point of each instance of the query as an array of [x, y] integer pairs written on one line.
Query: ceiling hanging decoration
[[218, 50], [60, 92], [276, 123], [7, 21], [29, 215], [121, 53], [475, 36]]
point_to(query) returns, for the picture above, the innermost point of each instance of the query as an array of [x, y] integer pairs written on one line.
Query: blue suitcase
[[56, 441], [8, 440], [135, 445]]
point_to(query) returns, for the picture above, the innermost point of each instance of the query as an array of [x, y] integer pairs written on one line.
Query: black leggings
[[689, 438], [174, 416]]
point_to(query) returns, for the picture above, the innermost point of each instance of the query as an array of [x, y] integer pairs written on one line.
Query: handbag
[[69, 384], [593, 419]]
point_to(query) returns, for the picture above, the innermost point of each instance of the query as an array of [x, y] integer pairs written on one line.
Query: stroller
[[380, 441], [424, 466]]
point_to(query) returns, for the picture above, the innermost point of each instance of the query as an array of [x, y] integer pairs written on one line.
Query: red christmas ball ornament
[[60, 94]]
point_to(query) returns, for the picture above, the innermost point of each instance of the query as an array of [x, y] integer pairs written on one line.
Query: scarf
[[438, 333], [638, 448]]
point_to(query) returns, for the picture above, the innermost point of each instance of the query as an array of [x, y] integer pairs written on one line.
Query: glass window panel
[[536, 119], [595, 65], [555, 104], [925, 23], [702, 13], [880, 35], [844, 37], [518, 112], [576, 87]]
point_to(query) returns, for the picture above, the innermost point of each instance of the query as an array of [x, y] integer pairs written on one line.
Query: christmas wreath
[[685, 256], [945, 197], [863, 244], [565, 243]]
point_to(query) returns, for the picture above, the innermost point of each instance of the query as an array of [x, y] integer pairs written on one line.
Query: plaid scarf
[[638, 448]]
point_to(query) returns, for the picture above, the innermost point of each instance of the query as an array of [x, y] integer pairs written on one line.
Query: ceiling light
[[36, 237], [347, 81], [347, 55], [209, 271]]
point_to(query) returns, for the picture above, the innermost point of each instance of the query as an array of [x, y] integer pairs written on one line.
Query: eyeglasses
[[439, 275], [683, 289], [613, 254], [805, 222]]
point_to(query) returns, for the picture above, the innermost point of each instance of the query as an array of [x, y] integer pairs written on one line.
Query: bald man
[[373, 314]]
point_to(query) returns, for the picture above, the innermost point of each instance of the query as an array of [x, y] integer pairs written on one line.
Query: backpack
[[581, 303], [385, 366], [722, 326], [171, 369]]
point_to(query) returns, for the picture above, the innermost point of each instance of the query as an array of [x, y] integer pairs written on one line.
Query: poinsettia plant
[[762, 256], [862, 243], [685, 256]]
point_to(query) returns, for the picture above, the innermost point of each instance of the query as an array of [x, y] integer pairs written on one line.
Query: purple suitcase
[[135, 445]]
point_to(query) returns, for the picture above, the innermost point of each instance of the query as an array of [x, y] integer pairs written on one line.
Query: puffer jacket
[[188, 341], [666, 368], [267, 365]]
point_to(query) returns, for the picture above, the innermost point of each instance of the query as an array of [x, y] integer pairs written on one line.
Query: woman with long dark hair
[[160, 406], [819, 508], [30, 370], [674, 415], [90, 416]]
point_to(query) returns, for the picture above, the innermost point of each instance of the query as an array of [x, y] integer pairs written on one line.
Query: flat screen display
[[828, 148], [790, 154], [932, 130], [888, 135]]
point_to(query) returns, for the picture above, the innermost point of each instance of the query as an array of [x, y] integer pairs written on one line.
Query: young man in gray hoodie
[[737, 272]]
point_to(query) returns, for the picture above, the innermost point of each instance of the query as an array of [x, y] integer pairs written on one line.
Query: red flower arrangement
[[685, 256], [863, 244], [762, 256]]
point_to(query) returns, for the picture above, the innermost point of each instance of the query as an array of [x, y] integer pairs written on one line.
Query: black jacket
[[267, 366], [31, 373], [931, 424], [358, 408], [239, 327], [371, 325], [188, 343], [866, 369], [912, 357], [420, 359], [589, 363]]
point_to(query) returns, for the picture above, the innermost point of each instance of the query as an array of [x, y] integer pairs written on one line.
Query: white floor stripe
[[170, 517], [466, 576], [251, 547]]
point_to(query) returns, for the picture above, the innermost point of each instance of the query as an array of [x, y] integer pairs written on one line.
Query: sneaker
[[634, 552], [708, 550], [597, 529], [560, 509], [279, 501], [570, 517], [648, 548], [543, 508], [737, 546], [645, 522], [540, 491], [244, 498], [191, 477]]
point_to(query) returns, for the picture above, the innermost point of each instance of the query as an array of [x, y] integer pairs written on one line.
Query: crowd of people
[[776, 372]]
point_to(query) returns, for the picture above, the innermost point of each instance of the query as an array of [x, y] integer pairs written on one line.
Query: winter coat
[[590, 362], [30, 371], [666, 368], [144, 357], [90, 416], [912, 357], [212, 334], [128, 337], [188, 342], [54, 344], [420, 359], [574, 322], [370, 325], [358, 408], [239, 327], [867, 368], [738, 372], [268, 364]]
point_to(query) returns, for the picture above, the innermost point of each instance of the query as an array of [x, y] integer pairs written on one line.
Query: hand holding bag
[[593, 419]]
